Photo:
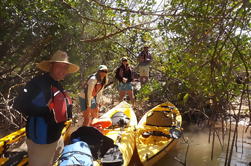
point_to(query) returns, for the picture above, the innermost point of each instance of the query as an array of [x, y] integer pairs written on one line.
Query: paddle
[[174, 133]]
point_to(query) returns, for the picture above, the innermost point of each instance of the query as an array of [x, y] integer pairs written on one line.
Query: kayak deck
[[153, 139], [123, 136]]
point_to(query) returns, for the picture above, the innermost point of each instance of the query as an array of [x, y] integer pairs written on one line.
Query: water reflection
[[199, 151]]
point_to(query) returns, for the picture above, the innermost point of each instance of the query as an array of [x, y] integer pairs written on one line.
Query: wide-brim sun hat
[[61, 57], [102, 68]]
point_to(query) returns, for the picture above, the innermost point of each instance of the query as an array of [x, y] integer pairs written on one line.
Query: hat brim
[[103, 69], [45, 66]]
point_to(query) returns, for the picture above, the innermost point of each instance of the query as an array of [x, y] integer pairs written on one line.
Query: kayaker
[[90, 95], [144, 60], [47, 106], [124, 77]]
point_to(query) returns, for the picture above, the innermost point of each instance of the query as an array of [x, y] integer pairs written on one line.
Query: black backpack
[[101, 146], [98, 143]]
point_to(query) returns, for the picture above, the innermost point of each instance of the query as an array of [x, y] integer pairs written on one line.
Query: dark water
[[199, 151]]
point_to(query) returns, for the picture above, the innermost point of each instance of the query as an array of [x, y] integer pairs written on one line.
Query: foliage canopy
[[199, 47]]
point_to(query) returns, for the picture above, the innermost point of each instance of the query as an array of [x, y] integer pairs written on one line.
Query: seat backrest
[[159, 118]]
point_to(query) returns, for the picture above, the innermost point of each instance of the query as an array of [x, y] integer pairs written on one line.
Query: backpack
[[77, 153], [101, 147], [98, 143]]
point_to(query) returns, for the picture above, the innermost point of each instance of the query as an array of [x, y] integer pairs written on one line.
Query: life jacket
[[42, 130], [61, 105], [101, 124], [98, 86]]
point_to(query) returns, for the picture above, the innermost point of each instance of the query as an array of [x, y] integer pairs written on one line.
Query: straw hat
[[58, 56]]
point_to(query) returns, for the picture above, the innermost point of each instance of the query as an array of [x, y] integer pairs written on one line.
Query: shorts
[[144, 70], [124, 86], [83, 103]]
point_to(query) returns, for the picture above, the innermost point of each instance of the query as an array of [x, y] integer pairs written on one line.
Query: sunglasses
[[104, 71]]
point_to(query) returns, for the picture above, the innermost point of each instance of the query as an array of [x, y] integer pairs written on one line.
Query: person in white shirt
[[90, 95]]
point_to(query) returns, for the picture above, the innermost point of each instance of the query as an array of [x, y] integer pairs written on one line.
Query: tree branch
[[129, 10], [117, 32], [84, 17]]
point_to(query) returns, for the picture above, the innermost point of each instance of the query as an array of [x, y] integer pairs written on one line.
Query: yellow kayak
[[122, 131], [8, 140], [157, 132], [18, 137]]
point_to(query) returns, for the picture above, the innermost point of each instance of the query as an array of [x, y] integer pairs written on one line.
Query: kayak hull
[[161, 119]]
